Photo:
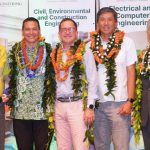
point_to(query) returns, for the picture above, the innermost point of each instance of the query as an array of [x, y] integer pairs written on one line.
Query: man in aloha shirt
[[2, 112], [27, 61]]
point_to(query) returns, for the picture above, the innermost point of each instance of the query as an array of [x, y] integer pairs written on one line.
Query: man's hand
[[4, 98], [125, 109], [89, 116]]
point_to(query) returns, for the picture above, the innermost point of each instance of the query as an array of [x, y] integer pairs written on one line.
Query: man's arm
[[125, 109], [91, 74], [131, 81]]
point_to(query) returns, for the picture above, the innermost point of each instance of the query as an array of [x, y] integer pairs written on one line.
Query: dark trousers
[[2, 126], [146, 136], [145, 112], [29, 133]]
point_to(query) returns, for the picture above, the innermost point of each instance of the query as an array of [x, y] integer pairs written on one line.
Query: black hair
[[30, 19], [105, 10], [67, 19]]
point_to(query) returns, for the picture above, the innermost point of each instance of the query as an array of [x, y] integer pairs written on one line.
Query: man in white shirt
[[76, 81], [115, 55]]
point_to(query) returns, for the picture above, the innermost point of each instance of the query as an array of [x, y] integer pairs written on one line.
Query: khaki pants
[[70, 126]]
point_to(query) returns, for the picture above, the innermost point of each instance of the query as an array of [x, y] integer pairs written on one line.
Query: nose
[[68, 30], [106, 22], [31, 31]]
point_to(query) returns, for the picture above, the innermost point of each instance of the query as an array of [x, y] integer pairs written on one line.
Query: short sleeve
[[131, 55], [3, 56]]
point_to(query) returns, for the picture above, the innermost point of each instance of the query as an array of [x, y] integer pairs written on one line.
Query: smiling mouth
[[68, 37], [106, 28]]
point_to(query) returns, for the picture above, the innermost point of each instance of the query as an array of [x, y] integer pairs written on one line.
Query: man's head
[[106, 21], [148, 31], [68, 31], [31, 30]]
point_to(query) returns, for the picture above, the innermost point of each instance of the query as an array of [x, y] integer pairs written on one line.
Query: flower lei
[[28, 63], [58, 63], [144, 62], [142, 69], [75, 56], [107, 57], [49, 84]]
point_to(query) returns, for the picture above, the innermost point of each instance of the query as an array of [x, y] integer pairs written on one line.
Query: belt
[[69, 99]]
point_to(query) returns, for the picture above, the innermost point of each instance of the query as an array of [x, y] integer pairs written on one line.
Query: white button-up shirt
[[126, 57], [64, 88]]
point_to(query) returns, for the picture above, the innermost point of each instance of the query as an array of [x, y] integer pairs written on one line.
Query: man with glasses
[[76, 81]]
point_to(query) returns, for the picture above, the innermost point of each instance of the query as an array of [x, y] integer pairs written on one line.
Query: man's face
[[31, 32], [106, 24], [68, 32]]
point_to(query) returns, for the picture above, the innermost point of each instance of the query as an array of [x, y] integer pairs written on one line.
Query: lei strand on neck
[[78, 76], [142, 69], [58, 63], [49, 82], [107, 56], [144, 62], [22, 55]]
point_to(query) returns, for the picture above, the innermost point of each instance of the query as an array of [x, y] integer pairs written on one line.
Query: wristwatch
[[131, 100], [91, 106]]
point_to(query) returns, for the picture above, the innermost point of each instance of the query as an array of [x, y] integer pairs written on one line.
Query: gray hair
[[148, 24]]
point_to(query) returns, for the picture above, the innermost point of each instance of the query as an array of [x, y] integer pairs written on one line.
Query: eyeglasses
[[64, 30]]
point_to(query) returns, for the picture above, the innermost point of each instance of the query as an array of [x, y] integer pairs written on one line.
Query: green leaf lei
[[137, 106], [78, 75], [49, 85], [142, 69], [109, 62]]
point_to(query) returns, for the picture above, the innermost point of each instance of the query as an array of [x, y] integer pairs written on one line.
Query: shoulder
[[47, 44], [15, 46], [88, 44], [128, 44], [88, 51], [128, 40], [88, 55], [48, 47], [142, 52], [3, 56], [2, 50], [145, 50]]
